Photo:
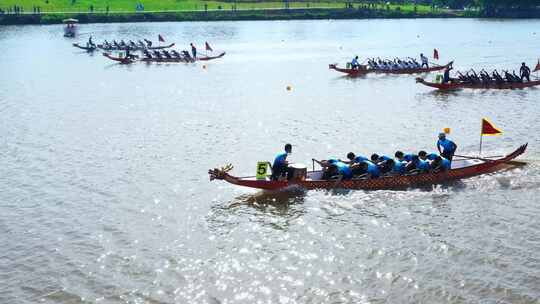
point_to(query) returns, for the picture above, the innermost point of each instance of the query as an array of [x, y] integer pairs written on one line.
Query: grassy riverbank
[[127, 6], [91, 11]]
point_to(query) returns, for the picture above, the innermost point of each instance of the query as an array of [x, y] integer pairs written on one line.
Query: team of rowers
[[164, 54], [123, 45], [358, 166], [484, 77], [391, 65], [173, 54]]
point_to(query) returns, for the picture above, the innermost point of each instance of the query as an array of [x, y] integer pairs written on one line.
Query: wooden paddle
[[512, 162]]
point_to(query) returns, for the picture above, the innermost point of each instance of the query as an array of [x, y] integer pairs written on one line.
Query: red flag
[[537, 68], [207, 46], [160, 38], [489, 129], [435, 54]]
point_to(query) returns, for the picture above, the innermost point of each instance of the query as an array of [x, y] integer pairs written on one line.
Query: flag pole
[[480, 152], [481, 135]]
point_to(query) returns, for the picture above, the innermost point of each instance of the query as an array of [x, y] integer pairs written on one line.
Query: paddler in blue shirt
[[422, 166], [399, 167], [386, 166], [448, 147], [403, 157], [371, 169], [425, 156], [418, 165], [376, 158], [354, 159], [343, 170], [440, 164], [280, 166], [335, 168]]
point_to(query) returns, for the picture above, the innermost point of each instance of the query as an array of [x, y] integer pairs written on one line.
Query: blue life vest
[[432, 156], [422, 165], [358, 159], [332, 160], [383, 158], [344, 169], [372, 169], [399, 167], [408, 157]]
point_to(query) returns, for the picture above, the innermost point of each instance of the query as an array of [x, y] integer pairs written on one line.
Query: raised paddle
[[512, 162]]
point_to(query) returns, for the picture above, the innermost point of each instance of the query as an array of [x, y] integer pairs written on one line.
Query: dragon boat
[[365, 69], [163, 59], [455, 85], [461, 169]]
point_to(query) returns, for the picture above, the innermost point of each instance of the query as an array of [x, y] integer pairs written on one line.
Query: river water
[[105, 197]]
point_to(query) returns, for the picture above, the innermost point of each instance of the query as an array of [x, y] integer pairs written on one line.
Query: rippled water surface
[[104, 195]]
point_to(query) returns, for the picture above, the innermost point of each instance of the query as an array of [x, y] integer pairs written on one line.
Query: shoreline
[[252, 14], [220, 15]]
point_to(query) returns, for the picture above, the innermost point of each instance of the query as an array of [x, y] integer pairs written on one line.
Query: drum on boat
[[297, 172]]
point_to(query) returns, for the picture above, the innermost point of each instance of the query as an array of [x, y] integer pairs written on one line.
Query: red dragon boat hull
[[496, 86], [207, 58], [122, 60], [82, 47], [365, 70], [180, 60], [478, 167]]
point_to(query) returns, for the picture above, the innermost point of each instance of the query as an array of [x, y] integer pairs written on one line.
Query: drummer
[[280, 166]]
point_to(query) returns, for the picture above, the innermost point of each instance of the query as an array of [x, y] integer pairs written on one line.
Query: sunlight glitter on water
[[104, 184]]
